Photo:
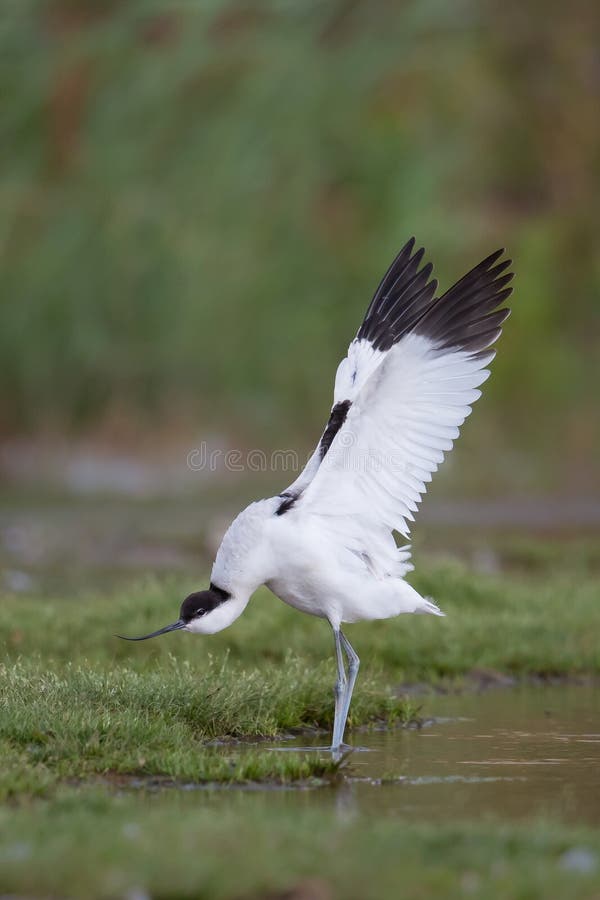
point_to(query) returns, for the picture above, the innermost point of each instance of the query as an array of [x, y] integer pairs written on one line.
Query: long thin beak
[[176, 626]]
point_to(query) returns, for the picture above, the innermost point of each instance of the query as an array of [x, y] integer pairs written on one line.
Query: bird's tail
[[393, 596], [428, 606]]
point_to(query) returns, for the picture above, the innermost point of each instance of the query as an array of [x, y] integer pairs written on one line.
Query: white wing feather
[[403, 420]]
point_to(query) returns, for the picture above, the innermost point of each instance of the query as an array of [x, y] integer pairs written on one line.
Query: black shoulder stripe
[[467, 317], [336, 420], [287, 501], [403, 297]]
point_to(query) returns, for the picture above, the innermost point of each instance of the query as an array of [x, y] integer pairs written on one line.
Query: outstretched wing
[[419, 363], [403, 296]]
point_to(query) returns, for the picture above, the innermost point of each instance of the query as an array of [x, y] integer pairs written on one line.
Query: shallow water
[[511, 754]]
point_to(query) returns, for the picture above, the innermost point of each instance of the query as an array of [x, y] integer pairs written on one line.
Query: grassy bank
[[81, 712]]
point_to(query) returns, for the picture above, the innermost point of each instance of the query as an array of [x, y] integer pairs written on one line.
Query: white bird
[[326, 545]]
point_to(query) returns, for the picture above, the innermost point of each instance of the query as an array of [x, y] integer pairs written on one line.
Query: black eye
[[200, 612]]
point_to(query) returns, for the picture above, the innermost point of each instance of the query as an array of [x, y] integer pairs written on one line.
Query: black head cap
[[202, 602], [194, 606]]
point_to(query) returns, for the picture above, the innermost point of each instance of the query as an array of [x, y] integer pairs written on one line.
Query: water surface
[[511, 754]]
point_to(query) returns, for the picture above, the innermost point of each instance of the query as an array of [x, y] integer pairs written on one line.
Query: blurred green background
[[198, 200]]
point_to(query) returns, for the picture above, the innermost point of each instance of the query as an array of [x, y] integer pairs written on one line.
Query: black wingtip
[[467, 317], [399, 299], [491, 259]]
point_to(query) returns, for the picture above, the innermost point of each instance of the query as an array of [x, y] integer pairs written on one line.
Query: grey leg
[[344, 686], [353, 665], [339, 693]]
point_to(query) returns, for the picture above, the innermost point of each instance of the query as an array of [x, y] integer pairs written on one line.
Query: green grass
[[90, 844], [84, 722], [76, 702], [85, 717]]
